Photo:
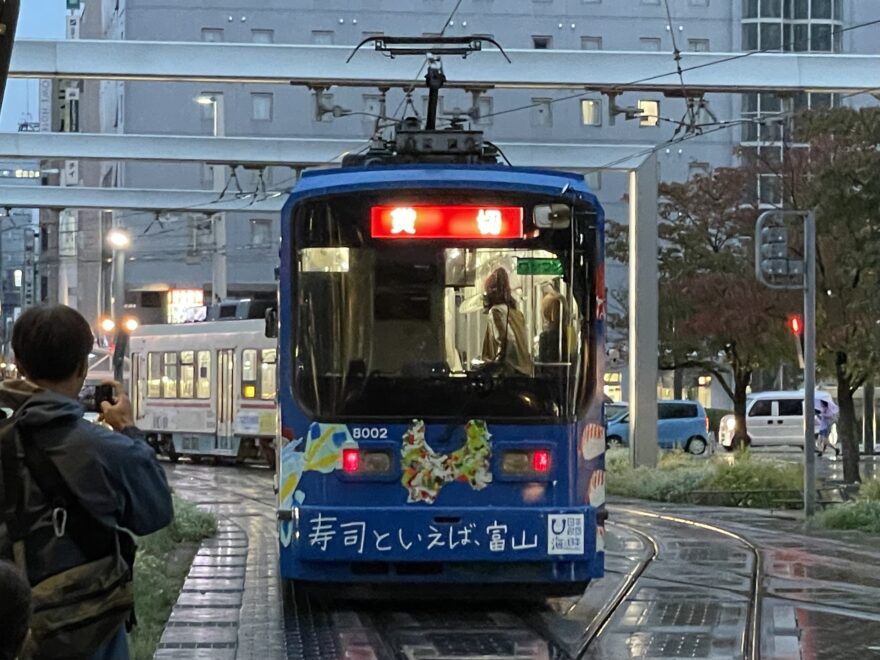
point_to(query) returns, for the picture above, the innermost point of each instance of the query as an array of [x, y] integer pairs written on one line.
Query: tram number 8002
[[367, 433]]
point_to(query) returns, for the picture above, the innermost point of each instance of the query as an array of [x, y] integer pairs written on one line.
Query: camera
[[92, 396]]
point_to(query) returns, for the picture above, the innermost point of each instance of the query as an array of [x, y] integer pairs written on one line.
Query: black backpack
[[76, 610]]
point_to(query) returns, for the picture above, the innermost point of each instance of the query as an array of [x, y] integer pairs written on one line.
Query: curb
[[205, 619]]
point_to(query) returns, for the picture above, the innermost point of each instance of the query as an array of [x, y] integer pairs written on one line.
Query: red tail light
[[541, 460], [707, 423], [351, 460]]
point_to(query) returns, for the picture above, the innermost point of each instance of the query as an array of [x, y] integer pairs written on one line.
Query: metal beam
[[194, 201], [293, 152], [531, 69]]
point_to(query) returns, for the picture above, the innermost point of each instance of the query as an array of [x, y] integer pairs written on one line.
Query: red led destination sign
[[413, 221]]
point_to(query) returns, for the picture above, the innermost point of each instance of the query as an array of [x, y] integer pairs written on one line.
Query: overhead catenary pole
[[643, 310], [809, 363]]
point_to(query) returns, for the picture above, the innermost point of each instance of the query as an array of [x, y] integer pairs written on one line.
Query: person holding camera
[[72, 492]]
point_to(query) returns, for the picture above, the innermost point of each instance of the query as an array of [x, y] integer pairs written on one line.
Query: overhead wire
[[720, 125]]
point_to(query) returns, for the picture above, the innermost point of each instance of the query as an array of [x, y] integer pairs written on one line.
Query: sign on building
[[67, 221], [45, 105], [28, 297]]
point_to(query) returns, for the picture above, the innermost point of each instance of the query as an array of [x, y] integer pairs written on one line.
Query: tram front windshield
[[391, 323]]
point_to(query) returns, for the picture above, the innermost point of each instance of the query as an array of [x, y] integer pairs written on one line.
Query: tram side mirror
[[552, 216], [272, 322]]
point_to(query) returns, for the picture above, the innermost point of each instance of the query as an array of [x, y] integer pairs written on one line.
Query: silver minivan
[[773, 419]]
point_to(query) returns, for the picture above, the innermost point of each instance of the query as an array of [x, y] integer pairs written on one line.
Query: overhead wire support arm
[[439, 46]]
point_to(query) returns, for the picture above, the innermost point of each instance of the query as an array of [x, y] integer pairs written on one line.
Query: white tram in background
[[206, 389]]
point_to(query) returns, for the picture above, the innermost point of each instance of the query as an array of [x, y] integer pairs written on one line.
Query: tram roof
[[344, 180]]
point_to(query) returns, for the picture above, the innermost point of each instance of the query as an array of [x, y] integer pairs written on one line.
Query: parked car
[[773, 419], [681, 424]]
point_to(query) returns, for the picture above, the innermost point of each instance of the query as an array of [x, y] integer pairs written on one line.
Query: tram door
[[225, 399]]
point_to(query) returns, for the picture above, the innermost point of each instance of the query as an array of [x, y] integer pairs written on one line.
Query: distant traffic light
[[796, 326]]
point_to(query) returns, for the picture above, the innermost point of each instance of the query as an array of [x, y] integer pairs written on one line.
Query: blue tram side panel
[[396, 466]]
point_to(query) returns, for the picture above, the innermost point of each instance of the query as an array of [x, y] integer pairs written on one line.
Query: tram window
[[154, 375], [203, 376], [249, 373], [267, 374], [169, 376], [187, 375]]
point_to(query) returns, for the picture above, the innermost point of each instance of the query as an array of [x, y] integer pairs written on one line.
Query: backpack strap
[[69, 517], [13, 484]]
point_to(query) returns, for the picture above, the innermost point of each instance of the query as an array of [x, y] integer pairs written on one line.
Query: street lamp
[[218, 220], [120, 241]]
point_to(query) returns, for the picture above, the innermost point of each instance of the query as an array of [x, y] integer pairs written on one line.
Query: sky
[[39, 19]]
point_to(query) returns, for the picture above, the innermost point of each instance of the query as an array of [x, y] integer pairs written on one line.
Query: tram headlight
[[367, 462], [525, 462]]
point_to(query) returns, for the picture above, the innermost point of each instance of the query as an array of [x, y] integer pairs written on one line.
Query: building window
[[591, 43], [591, 112], [261, 231], [698, 45], [542, 112], [322, 37], [263, 36], [650, 113], [212, 35], [649, 43], [261, 107], [542, 43]]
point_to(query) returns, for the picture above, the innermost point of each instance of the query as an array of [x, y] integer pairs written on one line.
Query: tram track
[[561, 629]]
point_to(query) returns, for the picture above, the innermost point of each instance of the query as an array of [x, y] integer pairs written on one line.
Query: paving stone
[[200, 636], [195, 654], [213, 584], [205, 615], [211, 551], [216, 572], [210, 599], [238, 561]]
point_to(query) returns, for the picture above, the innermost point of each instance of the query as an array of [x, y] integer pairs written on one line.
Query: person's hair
[[52, 342], [15, 610], [497, 289]]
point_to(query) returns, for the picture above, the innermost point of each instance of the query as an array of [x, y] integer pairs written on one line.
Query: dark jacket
[[115, 477]]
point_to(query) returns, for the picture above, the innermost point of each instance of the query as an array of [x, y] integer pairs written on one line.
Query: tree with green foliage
[[838, 175], [713, 314]]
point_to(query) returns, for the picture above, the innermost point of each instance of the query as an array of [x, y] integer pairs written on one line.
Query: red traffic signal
[[796, 324]]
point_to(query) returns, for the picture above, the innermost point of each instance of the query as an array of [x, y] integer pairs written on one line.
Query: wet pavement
[[682, 582]]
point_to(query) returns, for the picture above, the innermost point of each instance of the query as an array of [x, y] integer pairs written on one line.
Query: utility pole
[[8, 24], [218, 220], [778, 267]]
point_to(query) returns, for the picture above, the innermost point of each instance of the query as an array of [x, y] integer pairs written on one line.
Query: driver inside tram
[[505, 343]]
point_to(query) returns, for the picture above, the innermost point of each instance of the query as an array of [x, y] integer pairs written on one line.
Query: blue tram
[[441, 334]]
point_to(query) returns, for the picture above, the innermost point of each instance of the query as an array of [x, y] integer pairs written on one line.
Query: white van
[[773, 419]]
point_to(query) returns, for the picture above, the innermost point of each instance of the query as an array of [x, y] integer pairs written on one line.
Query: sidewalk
[[230, 605]]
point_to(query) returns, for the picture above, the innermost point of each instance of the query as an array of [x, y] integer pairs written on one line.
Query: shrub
[[163, 561], [746, 473], [860, 514], [870, 490]]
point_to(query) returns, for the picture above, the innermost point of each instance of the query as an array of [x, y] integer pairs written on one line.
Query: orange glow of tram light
[[438, 222]]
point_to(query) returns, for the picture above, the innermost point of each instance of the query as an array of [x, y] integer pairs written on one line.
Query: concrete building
[[18, 250], [174, 253]]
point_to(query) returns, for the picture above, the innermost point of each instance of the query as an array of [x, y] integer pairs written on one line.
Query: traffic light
[[774, 251], [796, 326]]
